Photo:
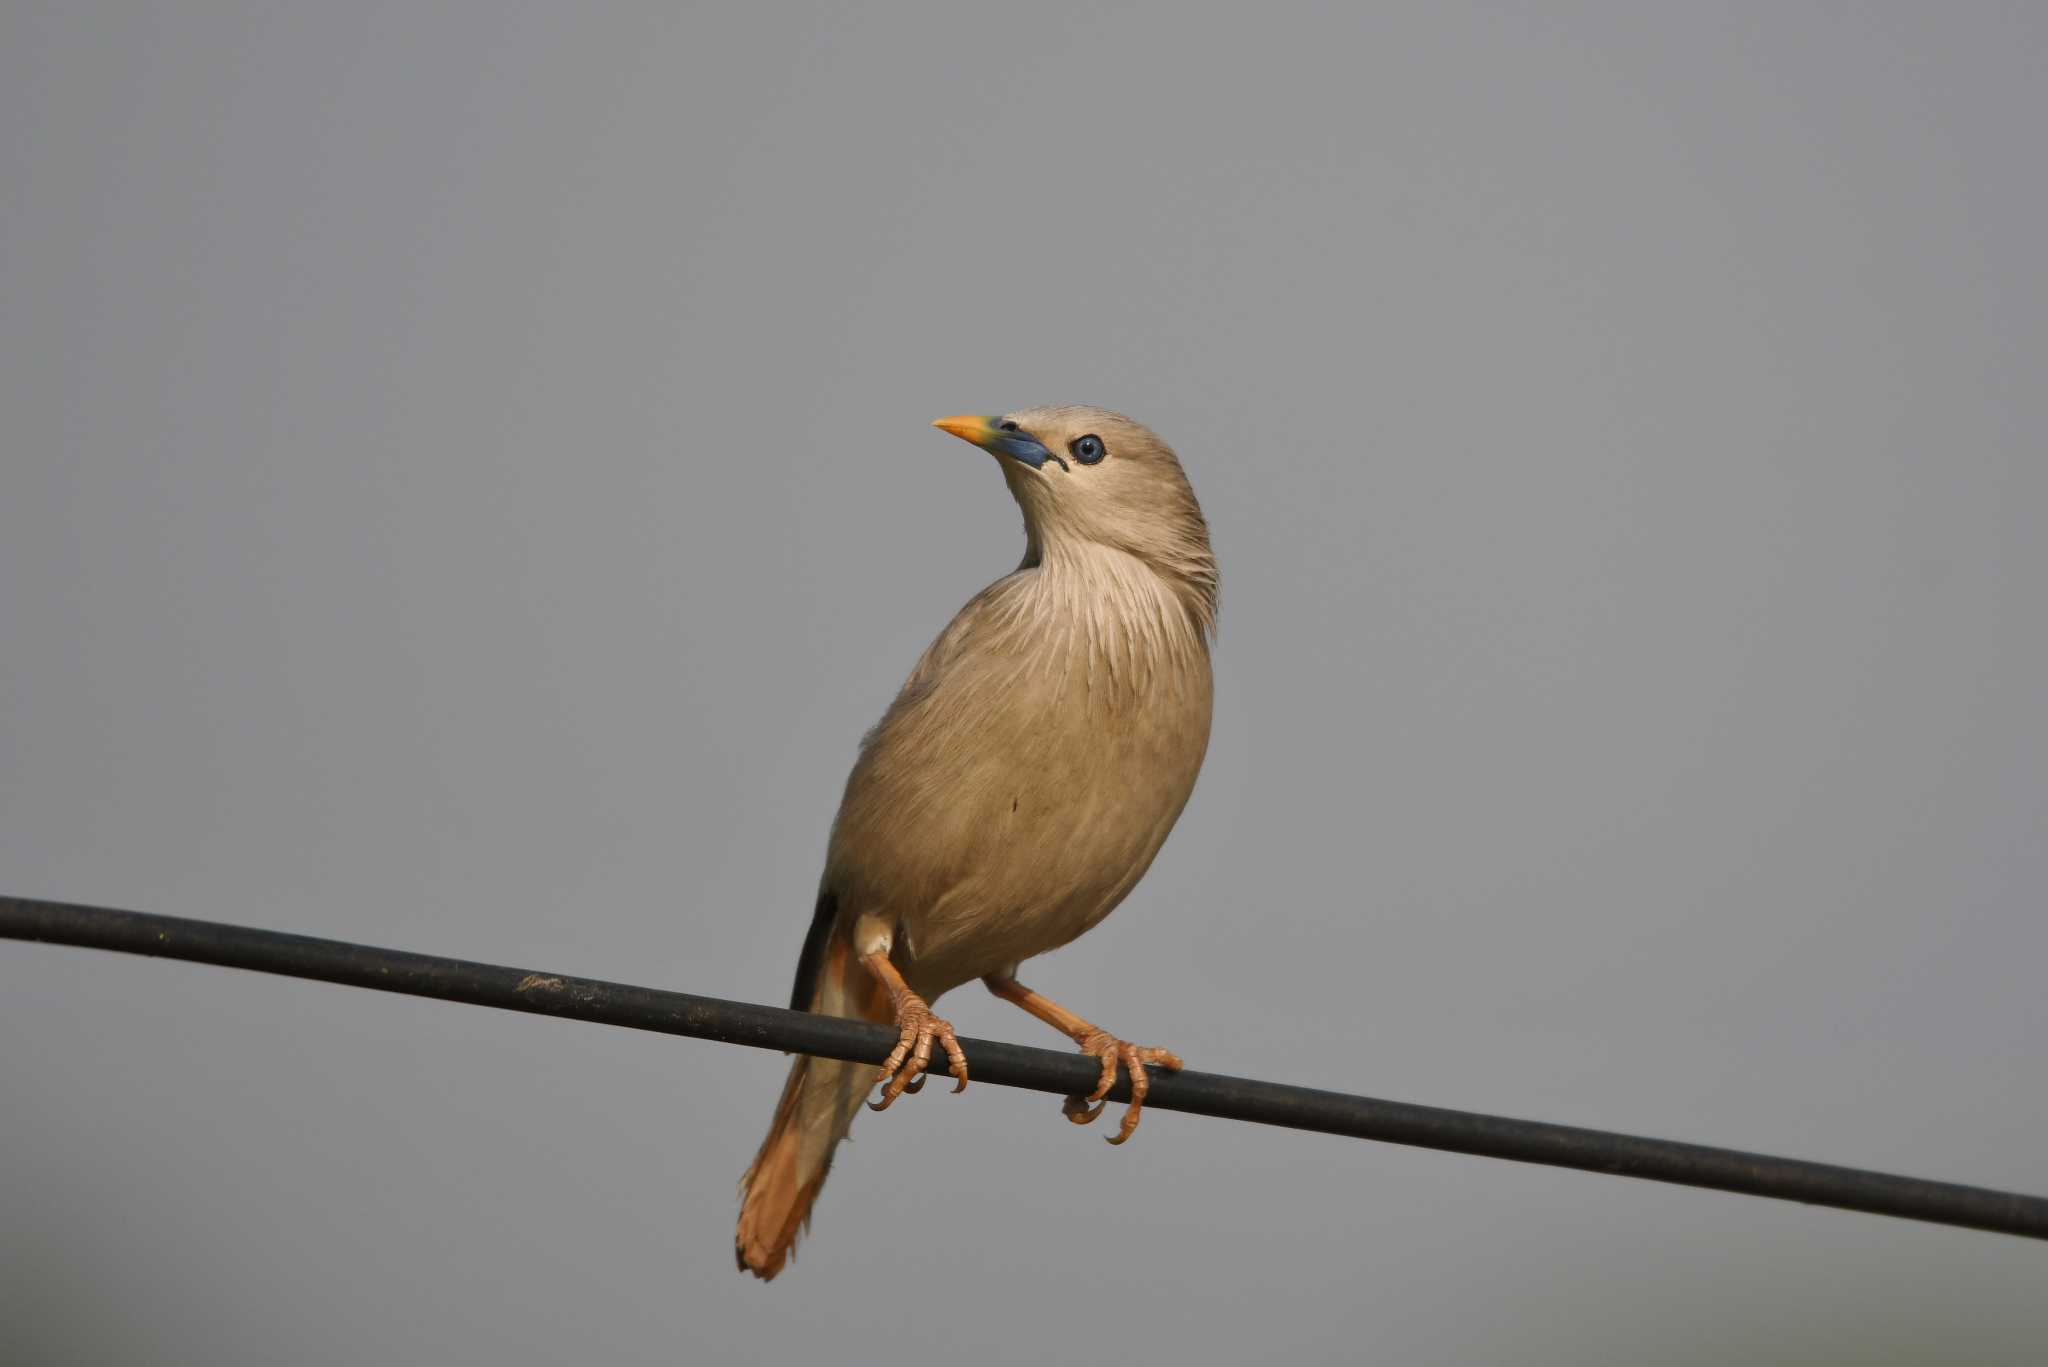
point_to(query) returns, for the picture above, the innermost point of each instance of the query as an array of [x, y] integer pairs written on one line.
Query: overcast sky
[[467, 487]]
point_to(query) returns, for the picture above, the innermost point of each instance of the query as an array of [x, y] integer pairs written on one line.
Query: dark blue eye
[[1088, 449]]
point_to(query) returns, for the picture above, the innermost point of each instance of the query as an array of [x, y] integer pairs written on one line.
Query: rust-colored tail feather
[[817, 1108], [776, 1194]]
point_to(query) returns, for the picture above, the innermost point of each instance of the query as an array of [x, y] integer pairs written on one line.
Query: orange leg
[[1098, 1043], [903, 1070]]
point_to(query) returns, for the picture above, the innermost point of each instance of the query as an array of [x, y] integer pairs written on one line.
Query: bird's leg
[[1098, 1043], [917, 1027]]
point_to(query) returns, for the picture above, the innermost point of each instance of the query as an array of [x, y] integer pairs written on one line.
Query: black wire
[[1010, 1065]]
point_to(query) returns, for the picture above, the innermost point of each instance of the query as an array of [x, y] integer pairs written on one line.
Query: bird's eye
[[1088, 450], [1007, 425]]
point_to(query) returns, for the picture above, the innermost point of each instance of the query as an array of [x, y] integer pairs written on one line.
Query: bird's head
[[1087, 476]]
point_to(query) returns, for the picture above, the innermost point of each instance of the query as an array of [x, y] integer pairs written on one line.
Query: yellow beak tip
[[967, 427]]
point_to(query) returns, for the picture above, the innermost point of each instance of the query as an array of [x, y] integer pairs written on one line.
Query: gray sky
[[467, 488]]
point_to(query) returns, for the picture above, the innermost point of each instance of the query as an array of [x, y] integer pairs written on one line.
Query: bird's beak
[[989, 436]]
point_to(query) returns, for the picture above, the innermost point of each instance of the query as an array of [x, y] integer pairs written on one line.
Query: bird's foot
[[903, 1070], [1113, 1051]]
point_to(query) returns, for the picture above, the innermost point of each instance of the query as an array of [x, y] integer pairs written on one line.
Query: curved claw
[[903, 1071], [1113, 1051], [1110, 1049]]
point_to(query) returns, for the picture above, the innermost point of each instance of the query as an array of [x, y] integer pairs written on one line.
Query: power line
[[1010, 1065]]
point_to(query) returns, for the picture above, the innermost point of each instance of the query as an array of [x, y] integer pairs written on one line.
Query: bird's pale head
[[1087, 476]]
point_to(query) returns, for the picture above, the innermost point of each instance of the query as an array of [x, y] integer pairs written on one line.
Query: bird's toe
[[917, 1031], [1136, 1059]]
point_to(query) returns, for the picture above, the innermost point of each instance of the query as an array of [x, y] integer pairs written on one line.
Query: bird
[[1013, 793]]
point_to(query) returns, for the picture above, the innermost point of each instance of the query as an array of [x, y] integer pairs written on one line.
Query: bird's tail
[[817, 1108]]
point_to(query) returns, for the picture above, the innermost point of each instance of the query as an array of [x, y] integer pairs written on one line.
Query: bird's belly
[[1022, 853]]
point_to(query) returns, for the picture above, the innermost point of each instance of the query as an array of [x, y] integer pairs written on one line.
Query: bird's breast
[[1018, 790]]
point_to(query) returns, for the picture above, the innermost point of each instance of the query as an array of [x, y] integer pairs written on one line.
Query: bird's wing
[[809, 963]]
